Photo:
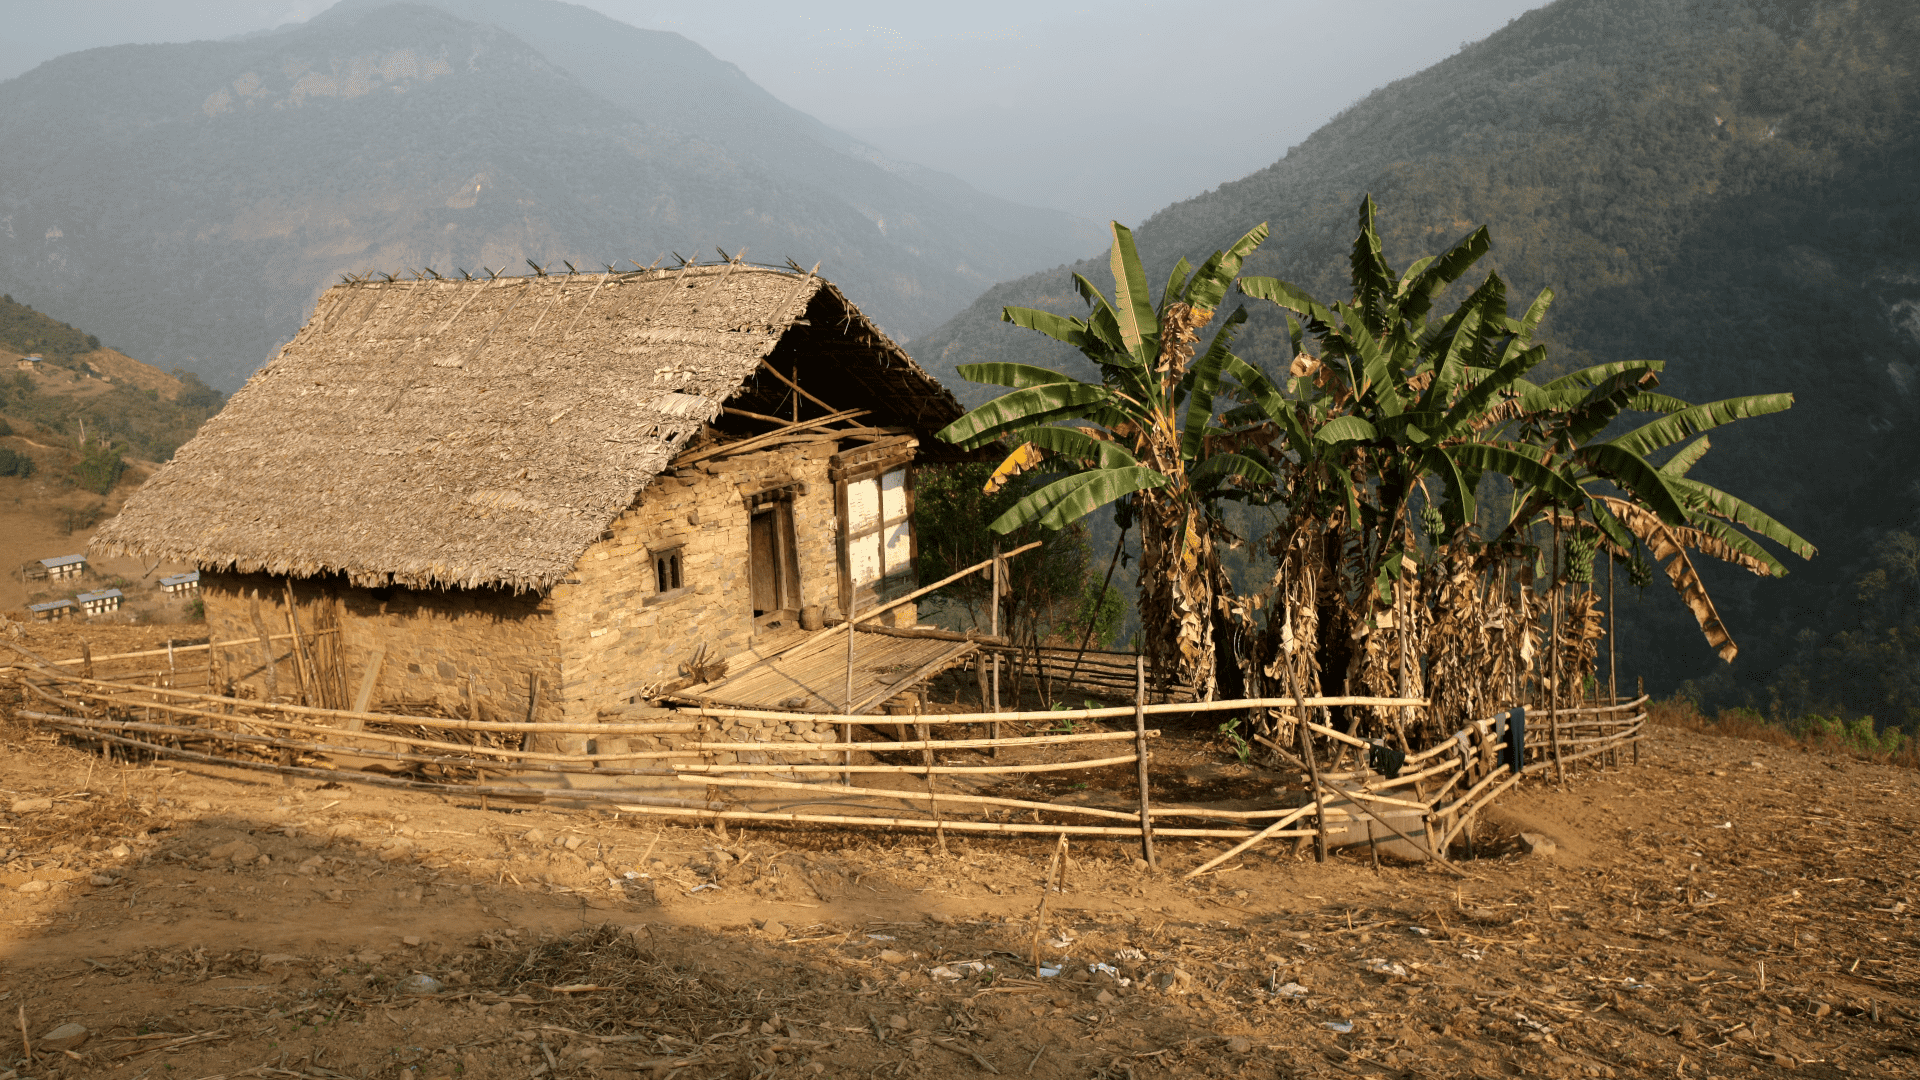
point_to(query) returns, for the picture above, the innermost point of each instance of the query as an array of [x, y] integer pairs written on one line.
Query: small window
[[666, 571]]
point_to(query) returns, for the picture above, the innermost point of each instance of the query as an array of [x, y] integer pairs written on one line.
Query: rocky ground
[[1725, 908]]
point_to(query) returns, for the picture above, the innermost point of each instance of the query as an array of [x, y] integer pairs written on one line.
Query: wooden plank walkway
[[811, 676]]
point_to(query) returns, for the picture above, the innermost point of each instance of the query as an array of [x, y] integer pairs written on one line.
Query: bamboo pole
[[563, 763], [957, 826], [1267, 833], [955, 770], [941, 744], [933, 801], [979, 800], [846, 708], [1051, 716], [676, 727], [1087, 638], [1305, 731], [1140, 758], [1633, 739], [743, 445], [993, 627], [1467, 817], [1417, 846], [376, 780], [1555, 692], [610, 728], [206, 645], [302, 658], [386, 737], [1621, 707], [268, 664], [795, 384]]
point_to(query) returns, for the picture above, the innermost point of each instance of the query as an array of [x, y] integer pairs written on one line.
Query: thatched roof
[[484, 433]]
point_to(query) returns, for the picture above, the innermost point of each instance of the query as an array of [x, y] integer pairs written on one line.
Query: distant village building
[[104, 602], [563, 494], [179, 585], [64, 566], [52, 610], [28, 363]]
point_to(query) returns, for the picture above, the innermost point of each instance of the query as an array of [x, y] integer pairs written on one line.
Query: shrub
[[14, 463], [1857, 735], [99, 468]]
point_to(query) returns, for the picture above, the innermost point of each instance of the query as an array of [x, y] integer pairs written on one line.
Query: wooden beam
[[758, 440], [775, 372]]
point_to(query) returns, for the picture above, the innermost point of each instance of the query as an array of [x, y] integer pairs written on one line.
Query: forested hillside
[[1732, 186], [75, 383], [188, 202]]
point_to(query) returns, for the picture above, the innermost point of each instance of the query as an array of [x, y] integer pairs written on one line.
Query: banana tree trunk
[[1176, 595]]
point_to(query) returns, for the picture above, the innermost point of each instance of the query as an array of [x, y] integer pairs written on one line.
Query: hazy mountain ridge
[[1730, 186], [189, 201]]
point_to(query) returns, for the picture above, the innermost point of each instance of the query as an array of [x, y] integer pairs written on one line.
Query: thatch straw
[[484, 433]]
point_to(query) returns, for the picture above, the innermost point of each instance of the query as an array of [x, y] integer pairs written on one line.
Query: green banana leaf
[[1741, 512], [1065, 501], [1208, 286], [1519, 462], [1474, 402], [1203, 380], [1073, 442], [1031, 406], [1588, 377], [1460, 510], [1634, 474], [1223, 465], [1017, 376], [1291, 297], [1132, 304], [1692, 421], [1681, 463], [1444, 271], [1345, 429], [1058, 327], [1176, 285]]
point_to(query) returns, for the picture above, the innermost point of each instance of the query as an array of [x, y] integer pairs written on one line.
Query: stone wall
[[434, 640], [622, 639], [600, 640]]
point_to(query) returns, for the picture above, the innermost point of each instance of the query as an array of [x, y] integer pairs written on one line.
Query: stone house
[[549, 496]]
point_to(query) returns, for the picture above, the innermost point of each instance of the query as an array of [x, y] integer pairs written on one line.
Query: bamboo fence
[[1432, 799]]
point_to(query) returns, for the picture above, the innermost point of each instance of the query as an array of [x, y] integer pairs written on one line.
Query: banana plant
[[1394, 408], [1401, 406], [1141, 431]]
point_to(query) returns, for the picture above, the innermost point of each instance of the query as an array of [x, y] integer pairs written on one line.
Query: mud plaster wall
[[434, 640], [621, 638]]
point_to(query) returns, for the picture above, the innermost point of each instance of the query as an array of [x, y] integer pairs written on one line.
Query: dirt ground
[[1725, 908]]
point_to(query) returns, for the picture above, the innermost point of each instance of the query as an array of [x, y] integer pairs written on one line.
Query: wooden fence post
[[1140, 749], [993, 629]]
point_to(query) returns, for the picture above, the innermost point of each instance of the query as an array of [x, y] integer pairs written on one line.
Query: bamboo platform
[[811, 676]]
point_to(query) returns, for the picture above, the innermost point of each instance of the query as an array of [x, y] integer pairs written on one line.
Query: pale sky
[[1104, 110]]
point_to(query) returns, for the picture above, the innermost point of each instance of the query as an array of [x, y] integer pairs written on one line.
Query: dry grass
[[1746, 724]]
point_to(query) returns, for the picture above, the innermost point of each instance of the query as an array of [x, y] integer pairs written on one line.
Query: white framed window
[[877, 541]]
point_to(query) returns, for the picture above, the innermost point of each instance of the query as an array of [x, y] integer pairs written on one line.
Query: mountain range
[[187, 202], [1732, 186]]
